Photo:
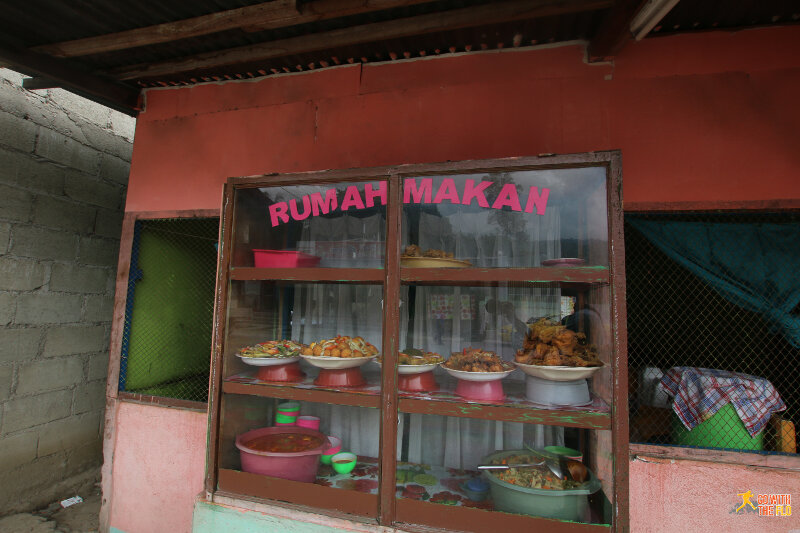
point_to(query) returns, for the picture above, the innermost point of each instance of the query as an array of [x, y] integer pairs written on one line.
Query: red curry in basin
[[284, 443], [284, 452]]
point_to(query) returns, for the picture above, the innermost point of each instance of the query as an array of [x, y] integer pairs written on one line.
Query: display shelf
[[442, 401], [364, 396], [329, 275], [239, 483], [568, 276]]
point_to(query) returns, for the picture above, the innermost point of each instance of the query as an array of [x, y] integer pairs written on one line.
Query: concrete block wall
[[64, 165]]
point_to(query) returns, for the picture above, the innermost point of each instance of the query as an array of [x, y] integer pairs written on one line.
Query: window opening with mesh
[[713, 334], [166, 344]]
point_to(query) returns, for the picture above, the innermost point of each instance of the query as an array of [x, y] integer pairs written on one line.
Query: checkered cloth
[[701, 392]]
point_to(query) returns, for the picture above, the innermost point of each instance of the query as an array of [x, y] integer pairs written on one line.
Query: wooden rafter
[[614, 31], [493, 13], [264, 16], [72, 77]]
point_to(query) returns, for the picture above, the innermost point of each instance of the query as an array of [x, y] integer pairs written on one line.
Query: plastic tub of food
[[287, 452], [568, 504], [283, 259]]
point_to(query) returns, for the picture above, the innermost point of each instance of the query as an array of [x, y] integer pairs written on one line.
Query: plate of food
[[564, 261], [414, 257], [413, 361], [552, 351], [474, 364], [271, 353], [339, 352], [559, 373]]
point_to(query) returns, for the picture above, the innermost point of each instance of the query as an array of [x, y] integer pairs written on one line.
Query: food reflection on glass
[[548, 343], [272, 349], [477, 360], [340, 346], [415, 357], [414, 251]]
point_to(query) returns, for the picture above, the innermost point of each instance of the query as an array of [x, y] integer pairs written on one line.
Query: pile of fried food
[[412, 250], [341, 346], [477, 360], [548, 343], [272, 349]]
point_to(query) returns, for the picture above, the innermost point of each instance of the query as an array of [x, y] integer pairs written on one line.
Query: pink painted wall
[[158, 468], [704, 118], [711, 117], [689, 496]]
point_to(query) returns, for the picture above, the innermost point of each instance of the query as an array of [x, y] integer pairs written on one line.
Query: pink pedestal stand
[[417, 382], [481, 390], [288, 372], [340, 377]]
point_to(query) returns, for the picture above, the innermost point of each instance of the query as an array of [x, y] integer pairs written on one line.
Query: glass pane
[[524, 218], [334, 226], [277, 426], [497, 348], [312, 316], [440, 456]]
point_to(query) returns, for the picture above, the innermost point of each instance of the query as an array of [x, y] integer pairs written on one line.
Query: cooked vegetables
[[272, 349]]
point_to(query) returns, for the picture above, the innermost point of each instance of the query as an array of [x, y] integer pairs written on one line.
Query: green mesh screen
[[677, 319], [167, 335]]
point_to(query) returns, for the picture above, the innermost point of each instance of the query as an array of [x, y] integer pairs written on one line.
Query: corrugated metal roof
[[24, 26]]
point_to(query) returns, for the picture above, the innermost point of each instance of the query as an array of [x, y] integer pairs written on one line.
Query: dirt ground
[[79, 518]]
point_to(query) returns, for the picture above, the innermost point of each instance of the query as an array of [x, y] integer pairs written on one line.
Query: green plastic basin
[[724, 429], [560, 504]]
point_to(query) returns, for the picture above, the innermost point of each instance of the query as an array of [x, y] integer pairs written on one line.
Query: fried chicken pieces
[[548, 343]]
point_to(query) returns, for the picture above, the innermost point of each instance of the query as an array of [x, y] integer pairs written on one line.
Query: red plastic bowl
[[340, 377], [295, 466], [283, 259]]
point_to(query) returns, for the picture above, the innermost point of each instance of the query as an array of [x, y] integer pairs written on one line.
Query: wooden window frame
[[120, 299], [313, 498], [744, 458]]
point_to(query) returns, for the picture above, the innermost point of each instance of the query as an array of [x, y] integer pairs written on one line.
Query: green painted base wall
[[213, 518]]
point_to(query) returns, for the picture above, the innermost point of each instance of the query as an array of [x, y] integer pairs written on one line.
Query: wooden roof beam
[[614, 31], [493, 13], [628, 19], [73, 78], [258, 17]]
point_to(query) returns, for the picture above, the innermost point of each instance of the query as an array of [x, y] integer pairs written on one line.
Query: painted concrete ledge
[[241, 516]]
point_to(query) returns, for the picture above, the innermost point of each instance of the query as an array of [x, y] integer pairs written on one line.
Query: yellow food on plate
[[343, 347]]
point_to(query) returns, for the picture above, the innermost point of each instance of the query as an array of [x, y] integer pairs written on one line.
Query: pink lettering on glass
[[471, 192], [447, 191], [352, 198], [278, 214], [370, 194], [537, 200], [508, 197], [419, 195]]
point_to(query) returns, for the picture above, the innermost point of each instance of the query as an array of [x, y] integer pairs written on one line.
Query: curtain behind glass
[[328, 310]]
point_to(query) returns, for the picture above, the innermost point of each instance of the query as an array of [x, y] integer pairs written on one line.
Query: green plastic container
[[723, 430], [559, 504]]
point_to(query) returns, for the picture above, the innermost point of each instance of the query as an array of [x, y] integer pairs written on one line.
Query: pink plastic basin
[[296, 466], [283, 259]]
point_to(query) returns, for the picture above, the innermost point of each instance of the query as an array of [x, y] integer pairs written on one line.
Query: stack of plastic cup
[[310, 422], [287, 414]]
